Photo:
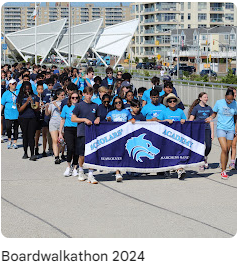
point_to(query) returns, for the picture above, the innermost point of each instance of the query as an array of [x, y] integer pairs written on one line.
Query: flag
[[144, 147], [35, 13]]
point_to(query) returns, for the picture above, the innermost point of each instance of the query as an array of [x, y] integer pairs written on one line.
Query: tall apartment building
[[158, 19], [15, 18]]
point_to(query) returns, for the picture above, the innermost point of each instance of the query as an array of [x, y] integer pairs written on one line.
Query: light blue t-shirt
[[150, 110], [9, 101], [18, 87], [176, 115], [119, 116], [226, 112], [74, 80], [67, 114], [109, 81], [146, 95], [97, 100]]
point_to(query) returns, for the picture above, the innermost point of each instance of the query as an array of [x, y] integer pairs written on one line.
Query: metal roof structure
[[46, 35], [115, 39], [82, 37]]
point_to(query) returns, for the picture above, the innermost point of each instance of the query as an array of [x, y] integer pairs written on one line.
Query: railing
[[149, 31], [216, 20], [149, 20], [216, 9], [149, 42], [149, 9]]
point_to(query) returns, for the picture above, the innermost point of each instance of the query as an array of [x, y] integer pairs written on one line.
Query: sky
[[72, 3]]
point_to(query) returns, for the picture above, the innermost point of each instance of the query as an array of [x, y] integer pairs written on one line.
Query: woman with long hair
[[27, 106], [226, 110], [118, 114], [70, 134], [199, 111], [53, 109]]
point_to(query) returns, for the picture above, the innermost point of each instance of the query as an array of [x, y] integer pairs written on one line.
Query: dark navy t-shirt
[[28, 111], [139, 117], [201, 113], [103, 111], [85, 110]]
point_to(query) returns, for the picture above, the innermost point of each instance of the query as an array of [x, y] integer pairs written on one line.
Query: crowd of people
[[59, 103]]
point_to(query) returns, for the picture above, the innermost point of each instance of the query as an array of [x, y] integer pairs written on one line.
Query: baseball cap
[[125, 84], [12, 81], [56, 71], [167, 78]]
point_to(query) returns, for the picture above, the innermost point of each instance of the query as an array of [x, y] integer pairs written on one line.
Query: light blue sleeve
[[129, 116], [144, 111], [109, 114], [183, 116], [216, 107], [63, 113], [145, 96], [3, 100]]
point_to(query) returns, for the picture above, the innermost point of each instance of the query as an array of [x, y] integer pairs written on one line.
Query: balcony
[[149, 10], [149, 53], [149, 31], [216, 20], [149, 42], [216, 9], [150, 20]]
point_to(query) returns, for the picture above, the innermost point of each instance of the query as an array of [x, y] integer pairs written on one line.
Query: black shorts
[[80, 146], [40, 124]]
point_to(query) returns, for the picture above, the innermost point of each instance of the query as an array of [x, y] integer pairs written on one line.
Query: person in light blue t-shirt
[[171, 114], [11, 113], [151, 111], [118, 114], [226, 109], [70, 133], [146, 95]]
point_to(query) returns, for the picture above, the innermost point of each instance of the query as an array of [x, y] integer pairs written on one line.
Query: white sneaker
[[206, 163], [91, 179], [181, 174], [118, 177], [67, 172], [82, 176], [201, 168], [2, 139], [75, 172]]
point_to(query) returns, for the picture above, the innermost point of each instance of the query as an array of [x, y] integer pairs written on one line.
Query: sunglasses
[[106, 101], [74, 98], [172, 101], [109, 73], [118, 102]]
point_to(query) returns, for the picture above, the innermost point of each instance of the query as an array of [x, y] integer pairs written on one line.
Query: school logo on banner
[[138, 147]]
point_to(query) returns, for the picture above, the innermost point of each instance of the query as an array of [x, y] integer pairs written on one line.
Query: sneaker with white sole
[[91, 179], [67, 171], [201, 168], [232, 166], [15, 146], [2, 139], [82, 176], [118, 177], [224, 175], [9, 144], [75, 172], [206, 163], [181, 174]]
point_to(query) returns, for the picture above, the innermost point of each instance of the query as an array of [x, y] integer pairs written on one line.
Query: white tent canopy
[[115, 39], [82, 37], [46, 36]]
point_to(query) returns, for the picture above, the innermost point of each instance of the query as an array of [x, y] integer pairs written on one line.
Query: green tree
[[136, 60], [230, 78]]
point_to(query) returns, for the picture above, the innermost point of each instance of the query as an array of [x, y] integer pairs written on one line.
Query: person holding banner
[[118, 114], [226, 110], [84, 112], [152, 110], [171, 114], [199, 111]]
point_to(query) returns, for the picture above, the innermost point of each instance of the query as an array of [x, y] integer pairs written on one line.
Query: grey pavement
[[38, 201]]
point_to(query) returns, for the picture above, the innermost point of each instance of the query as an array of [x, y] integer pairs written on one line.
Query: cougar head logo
[[138, 147]]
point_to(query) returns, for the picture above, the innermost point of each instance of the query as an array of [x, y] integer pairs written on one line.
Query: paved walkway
[[38, 201]]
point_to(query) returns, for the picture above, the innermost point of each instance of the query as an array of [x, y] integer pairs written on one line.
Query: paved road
[[38, 201]]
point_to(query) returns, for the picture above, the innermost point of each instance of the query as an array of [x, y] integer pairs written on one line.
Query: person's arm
[[61, 128], [182, 121], [191, 118], [144, 103], [166, 120], [47, 111], [212, 130], [211, 117], [2, 106], [97, 120], [23, 107], [74, 118], [153, 119], [235, 120], [88, 83]]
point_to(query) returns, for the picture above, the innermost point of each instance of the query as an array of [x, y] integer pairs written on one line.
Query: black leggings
[[12, 124], [70, 136], [28, 128], [208, 141]]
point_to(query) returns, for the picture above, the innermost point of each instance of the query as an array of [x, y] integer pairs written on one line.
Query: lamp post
[[177, 53]]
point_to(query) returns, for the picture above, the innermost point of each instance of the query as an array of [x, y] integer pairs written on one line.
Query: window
[[202, 16], [204, 37], [232, 37], [229, 17], [189, 16], [202, 25], [226, 37], [182, 6], [202, 5], [189, 5], [182, 16], [189, 26], [229, 6]]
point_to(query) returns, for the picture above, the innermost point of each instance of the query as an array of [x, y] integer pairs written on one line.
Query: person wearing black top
[[27, 106], [104, 108]]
